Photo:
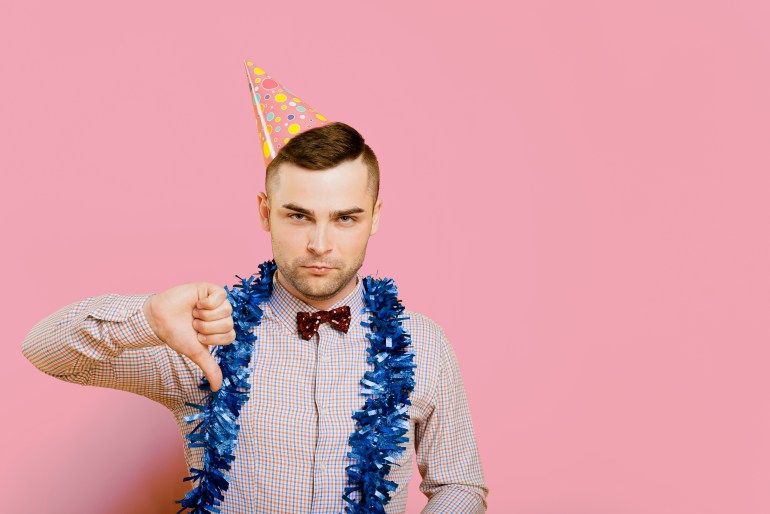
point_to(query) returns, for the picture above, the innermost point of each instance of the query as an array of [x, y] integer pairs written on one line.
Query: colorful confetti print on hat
[[280, 115]]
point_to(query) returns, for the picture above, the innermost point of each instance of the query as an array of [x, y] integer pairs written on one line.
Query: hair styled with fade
[[325, 147]]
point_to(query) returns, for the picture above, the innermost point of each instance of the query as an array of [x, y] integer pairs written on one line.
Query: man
[[321, 204]]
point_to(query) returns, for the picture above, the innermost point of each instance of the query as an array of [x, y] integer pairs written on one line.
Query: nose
[[319, 240]]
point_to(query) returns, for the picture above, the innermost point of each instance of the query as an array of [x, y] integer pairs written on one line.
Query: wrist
[[148, 315]]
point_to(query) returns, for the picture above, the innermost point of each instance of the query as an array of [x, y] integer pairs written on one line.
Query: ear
[[263, 207], [376, 216]]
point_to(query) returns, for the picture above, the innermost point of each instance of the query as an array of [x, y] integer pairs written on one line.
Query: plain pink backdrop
[[576, 191]]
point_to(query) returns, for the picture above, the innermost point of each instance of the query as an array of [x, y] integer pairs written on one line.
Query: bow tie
[[308, 322]]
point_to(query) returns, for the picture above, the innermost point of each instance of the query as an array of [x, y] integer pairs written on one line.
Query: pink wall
[[576, 191]]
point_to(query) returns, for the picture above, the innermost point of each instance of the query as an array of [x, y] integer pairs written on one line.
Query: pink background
[[576, 191]]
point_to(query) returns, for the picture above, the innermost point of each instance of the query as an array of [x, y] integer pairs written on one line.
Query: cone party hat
[[280, 114]]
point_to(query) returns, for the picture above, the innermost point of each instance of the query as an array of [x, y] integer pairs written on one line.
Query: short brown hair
[[325, 147]]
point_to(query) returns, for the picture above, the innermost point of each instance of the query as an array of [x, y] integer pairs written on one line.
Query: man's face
[[320, 218]]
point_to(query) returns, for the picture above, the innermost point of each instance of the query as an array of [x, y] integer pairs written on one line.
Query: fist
[[189, 318]]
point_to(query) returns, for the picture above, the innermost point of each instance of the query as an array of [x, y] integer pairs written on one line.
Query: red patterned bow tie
[[308, 322]]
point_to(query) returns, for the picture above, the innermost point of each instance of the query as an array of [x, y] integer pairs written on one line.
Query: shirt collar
[[284, 306]]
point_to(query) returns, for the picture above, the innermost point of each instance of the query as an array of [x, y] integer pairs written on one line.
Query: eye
[[296, 214], [347, 220]]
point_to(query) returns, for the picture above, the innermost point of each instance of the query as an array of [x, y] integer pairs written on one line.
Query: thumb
[[210, 295], [208, 364]]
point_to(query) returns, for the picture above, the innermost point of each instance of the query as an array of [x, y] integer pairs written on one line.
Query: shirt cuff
[[129, 327]]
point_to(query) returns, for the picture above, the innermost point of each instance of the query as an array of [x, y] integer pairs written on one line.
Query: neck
[[320, 304]]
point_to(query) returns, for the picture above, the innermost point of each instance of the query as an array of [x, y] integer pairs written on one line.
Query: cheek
[[287, 237], [292, 238], [354, 240]]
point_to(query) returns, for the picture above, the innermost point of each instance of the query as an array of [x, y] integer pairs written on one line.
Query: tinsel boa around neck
[[380, 425]]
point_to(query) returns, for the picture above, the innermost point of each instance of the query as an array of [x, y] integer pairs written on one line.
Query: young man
[[321, 204]]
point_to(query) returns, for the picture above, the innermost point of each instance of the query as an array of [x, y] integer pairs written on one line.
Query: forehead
[[346, 183]]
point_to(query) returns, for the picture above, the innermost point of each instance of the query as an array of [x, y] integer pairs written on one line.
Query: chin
[[322, 285]]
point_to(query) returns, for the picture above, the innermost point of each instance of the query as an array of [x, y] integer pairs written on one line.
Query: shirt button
[[123, 312], [320, 467], [321, 412], [325, 358]]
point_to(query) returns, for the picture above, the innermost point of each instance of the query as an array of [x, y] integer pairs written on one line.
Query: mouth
[[318, 269]]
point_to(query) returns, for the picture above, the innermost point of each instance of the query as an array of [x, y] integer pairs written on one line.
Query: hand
[[188, 318]]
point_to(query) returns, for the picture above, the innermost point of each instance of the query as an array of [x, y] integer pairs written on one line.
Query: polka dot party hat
[[280, 114]]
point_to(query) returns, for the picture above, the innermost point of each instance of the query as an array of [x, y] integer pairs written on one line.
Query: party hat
[[280, 114]]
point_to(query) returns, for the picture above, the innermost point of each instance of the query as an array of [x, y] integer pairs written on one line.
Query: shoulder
[[422, 324], [430, 347], [428, 338]]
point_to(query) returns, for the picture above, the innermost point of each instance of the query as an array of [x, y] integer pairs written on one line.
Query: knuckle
[[224, 339]]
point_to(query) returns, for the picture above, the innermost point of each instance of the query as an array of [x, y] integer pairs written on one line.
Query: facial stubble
[[316, 287]]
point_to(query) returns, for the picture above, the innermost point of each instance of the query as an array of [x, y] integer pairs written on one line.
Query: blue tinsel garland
[[383, 420], [381, 423]]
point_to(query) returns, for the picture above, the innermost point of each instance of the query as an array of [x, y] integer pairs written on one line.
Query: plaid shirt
[[293, 442]]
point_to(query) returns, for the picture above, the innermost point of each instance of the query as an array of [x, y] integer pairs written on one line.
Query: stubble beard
[[317, 287]]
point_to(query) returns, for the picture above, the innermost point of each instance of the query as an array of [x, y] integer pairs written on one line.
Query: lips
[[318, 271]]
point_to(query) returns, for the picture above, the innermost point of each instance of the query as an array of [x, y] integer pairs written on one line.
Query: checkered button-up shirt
[[293, 442]]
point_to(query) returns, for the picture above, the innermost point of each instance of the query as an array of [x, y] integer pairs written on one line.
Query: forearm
[[456, 498], [70, 342], [447, 454]]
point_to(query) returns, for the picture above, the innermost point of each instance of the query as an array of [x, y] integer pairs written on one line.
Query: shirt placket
[[324, 472]]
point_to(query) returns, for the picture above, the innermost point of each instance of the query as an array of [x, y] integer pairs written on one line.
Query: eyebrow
[[344, 212]]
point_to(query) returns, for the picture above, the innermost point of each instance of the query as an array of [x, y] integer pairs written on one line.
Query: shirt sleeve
[[445, 446], [106, 341]]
